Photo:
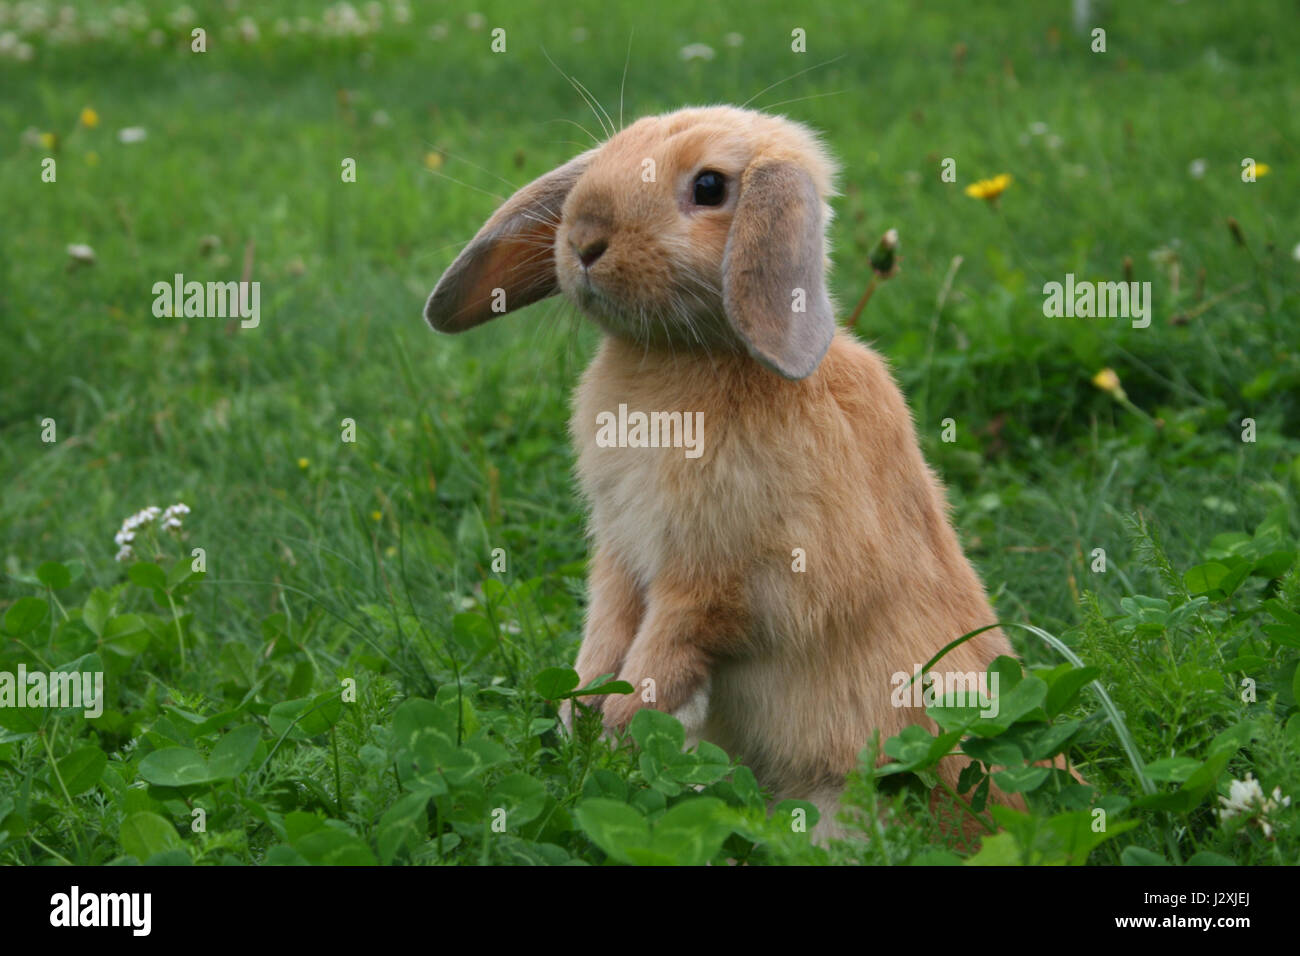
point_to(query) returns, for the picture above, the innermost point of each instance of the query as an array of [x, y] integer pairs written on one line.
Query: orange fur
[[830, 465], [807, 444]]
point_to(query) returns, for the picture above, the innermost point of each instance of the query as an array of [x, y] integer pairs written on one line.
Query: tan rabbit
[[767, 585]]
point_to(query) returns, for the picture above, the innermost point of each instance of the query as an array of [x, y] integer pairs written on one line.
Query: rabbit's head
[[702, 228]]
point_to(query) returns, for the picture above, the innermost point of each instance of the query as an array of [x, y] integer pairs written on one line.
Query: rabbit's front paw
[[566, 716], [571, 708], [692, 712]]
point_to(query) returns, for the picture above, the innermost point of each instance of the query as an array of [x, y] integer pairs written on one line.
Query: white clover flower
[[20, 50], [79, 252], [181, 17], [32, 18], [1295, 253], [171, 518], [131, 134], [170, 521], [475, 21], [127, 532], [1242, 795], [697, 51], [1038, 128], [1196, 168], [342, 19], [1246, 799], [248, 31]]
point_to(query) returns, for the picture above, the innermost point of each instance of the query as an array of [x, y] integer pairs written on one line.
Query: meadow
[[352, 651]]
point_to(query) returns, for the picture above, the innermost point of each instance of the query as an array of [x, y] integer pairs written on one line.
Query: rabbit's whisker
[[462, 159], [581, 91], [487, 192], [800, 99], [581, 127], [623, 82], [609, 119], [540, 220], [793, 76]]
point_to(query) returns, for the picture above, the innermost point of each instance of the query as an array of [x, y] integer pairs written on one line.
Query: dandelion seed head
[[697, 51]]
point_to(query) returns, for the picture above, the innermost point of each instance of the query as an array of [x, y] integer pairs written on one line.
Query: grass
[[328, 560]]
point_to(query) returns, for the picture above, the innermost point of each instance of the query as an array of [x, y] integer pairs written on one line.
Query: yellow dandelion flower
[[303, 462], [433, 160], [989, 189], [1108, 381], [48, 140], [376, 516], [89, 118], [1262, 169]]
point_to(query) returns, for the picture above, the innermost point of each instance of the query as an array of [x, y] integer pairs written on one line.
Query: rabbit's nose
[[590, 250], [589, 237]]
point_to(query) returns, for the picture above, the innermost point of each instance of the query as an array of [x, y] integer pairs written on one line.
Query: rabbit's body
[[800, 677], [769, 591]]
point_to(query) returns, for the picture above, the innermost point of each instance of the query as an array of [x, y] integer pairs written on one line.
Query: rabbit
[[766, 590]]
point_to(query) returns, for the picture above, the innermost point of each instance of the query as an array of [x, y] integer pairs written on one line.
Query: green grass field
[[350, 679]]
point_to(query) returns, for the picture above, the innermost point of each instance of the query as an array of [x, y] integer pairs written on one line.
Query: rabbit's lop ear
[[511, 262], [773, 270]]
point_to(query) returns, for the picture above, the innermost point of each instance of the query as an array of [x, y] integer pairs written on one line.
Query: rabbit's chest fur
[[657, 507], [815, 497], [794, 481]]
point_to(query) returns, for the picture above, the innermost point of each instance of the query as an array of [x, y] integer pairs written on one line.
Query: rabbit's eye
[[710, 189]]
